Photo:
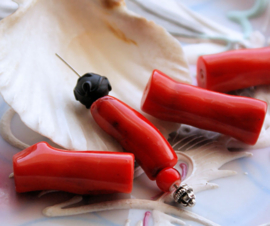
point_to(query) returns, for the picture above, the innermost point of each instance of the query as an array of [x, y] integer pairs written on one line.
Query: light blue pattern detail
[[242, 17], [100, 221], [260, 179]]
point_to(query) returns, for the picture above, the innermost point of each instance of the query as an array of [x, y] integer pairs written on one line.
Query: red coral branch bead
[[239, 117], [42, 167], [232, 70], [135, 133]]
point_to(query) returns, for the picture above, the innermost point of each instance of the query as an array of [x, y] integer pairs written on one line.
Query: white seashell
[[100, 36]]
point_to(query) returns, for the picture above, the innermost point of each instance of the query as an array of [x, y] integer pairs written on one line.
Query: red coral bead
[[167, 177], [135, 133], [169, 100], [235, 69], [42, 167]]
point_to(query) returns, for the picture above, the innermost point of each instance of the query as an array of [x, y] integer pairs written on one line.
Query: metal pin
[[68, 65]]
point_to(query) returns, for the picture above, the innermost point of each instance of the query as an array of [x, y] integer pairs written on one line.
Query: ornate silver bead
[[184, 195]]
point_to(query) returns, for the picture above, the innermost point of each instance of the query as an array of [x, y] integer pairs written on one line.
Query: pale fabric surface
[[6, 8]]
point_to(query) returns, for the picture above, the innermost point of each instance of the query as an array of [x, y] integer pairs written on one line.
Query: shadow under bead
[[90, 87]]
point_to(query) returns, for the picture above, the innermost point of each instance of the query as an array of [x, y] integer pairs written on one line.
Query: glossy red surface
[[42, 167], [167, 177], [232, 70], [239, 117], [135, 134]]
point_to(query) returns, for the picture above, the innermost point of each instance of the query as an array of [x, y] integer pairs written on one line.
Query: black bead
[[90, 87]]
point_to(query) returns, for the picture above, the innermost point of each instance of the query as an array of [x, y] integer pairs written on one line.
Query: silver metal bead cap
[[184, 195]]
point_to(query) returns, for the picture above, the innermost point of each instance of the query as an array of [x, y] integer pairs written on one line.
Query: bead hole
[[201, 73]]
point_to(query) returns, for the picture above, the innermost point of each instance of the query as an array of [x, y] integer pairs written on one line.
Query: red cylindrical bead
[[135, 133], [232, 70], [167, 177], [239, 117], [42, 167]]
